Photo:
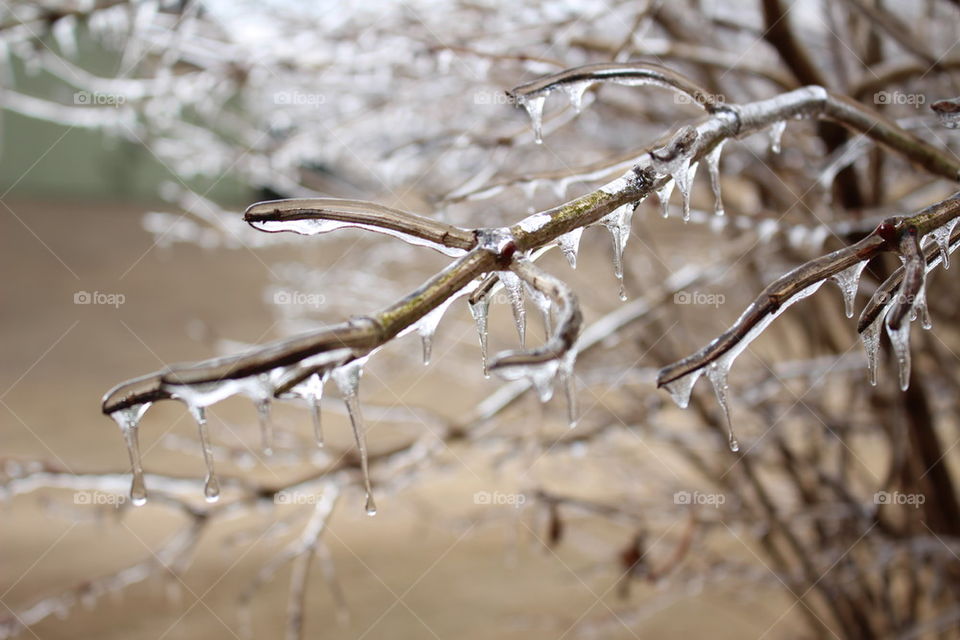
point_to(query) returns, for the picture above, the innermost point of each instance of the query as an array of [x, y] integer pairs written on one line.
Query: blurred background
[[134, 134]]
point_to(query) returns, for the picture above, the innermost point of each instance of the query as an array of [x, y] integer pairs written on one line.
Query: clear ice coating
[[575, 91], [618, 223], [900, 339], [681, 388], [776, 135], [128, 419], [480, 312], [684, 184], [849, 280], [717, 370], [717, 374], [713, 167], [211, 486], [347, 379], [534, 107], [514, 286], [870, 337], [569, 244]]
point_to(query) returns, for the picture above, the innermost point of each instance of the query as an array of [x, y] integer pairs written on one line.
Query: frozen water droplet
[[543, 304], [211, 487], [347, 379], [681, 388], [663, 194], [479, 310], [569, 244], [514, 287], [713, 167], [776, 135], [900, 339], [128, 420], [717, 374], [920, 304], [266, 426], [870, 337], [848, 280], [534, 107], [618, 224]]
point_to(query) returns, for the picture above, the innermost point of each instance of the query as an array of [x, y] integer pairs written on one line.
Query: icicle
[[900, 339], [663, 194], [128, 419], [684, 181], [870, 337], [575, 91], [266, 426], [848, 280], [776, 135], [347, 379], [314, 393], [717, 374], [65, 33], [544, 305], [681, 388], [534, 107], [713, 166], [569, 244], [427, 327], [514, 287], [211, 487], [570, 385], [479, 310], [618, 223], [920, 303], [941, 235]]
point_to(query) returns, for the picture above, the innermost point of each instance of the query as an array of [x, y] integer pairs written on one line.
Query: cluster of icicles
[[260, 388], [848, 281]]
